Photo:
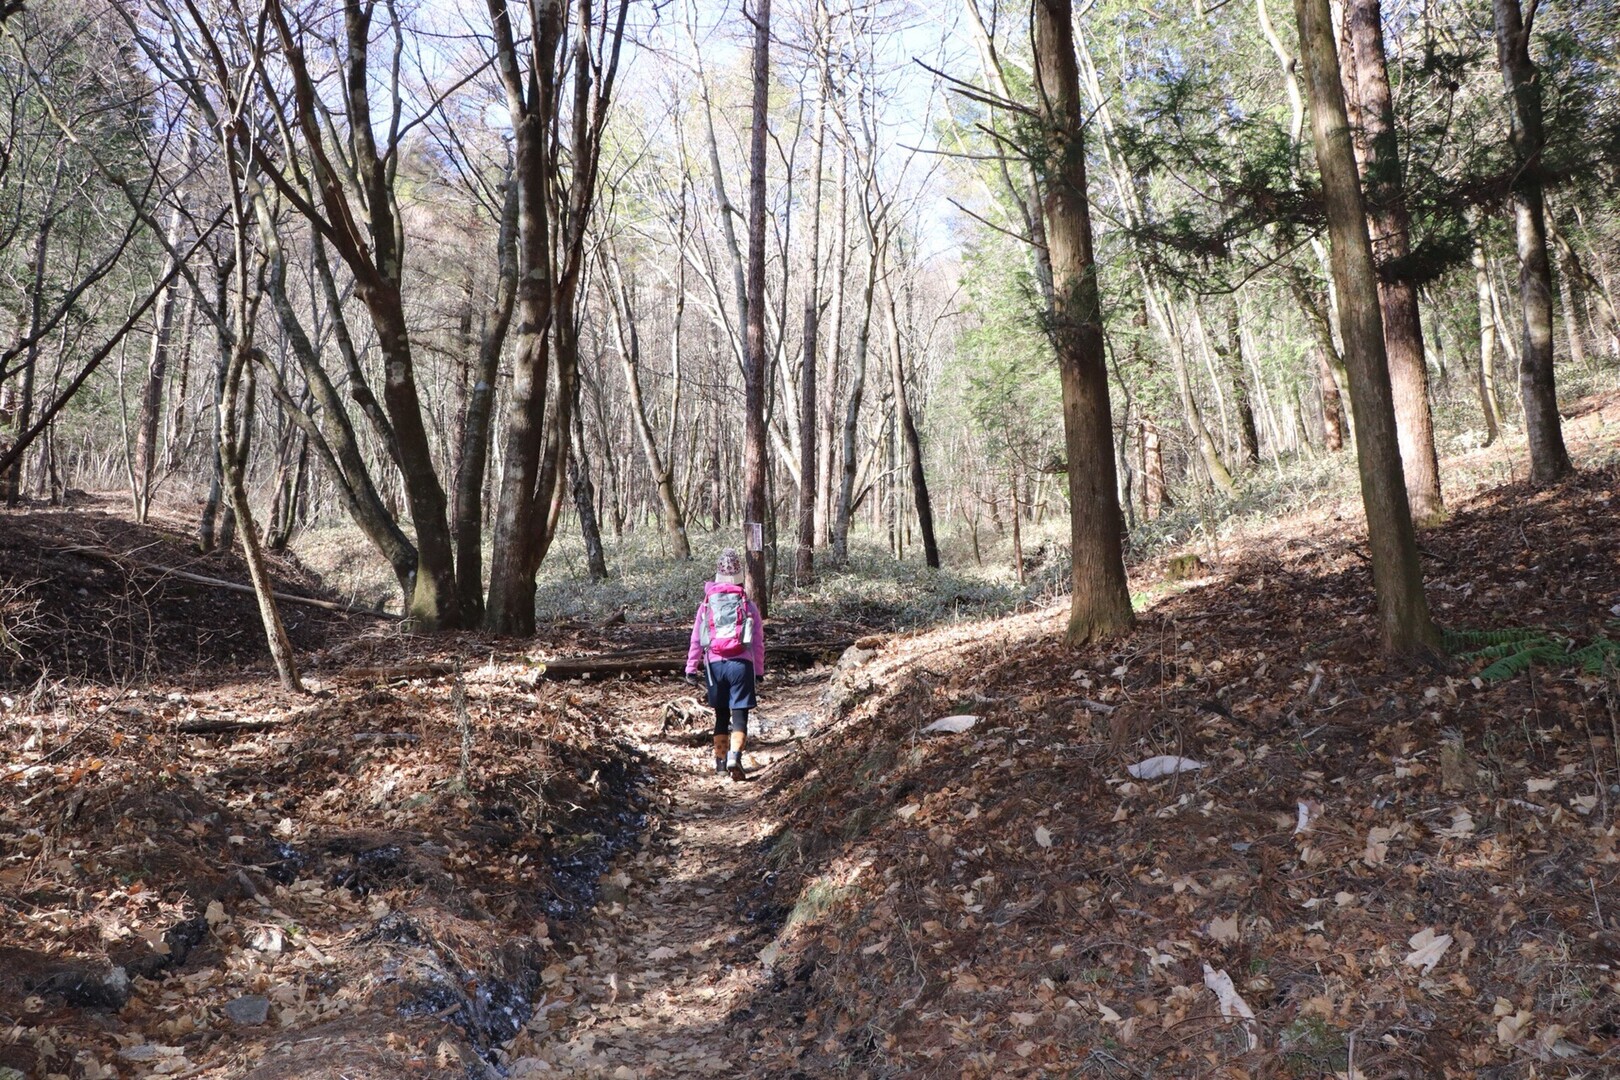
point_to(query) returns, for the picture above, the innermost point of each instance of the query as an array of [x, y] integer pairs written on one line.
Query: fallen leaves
[[951, 725], [1427, 949], [1233, 1007], [1162, 765]]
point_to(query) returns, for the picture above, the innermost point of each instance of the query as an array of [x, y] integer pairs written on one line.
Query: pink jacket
[[756, 648]]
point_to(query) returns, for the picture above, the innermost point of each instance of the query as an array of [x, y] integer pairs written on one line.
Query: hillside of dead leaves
[[1379, 869]]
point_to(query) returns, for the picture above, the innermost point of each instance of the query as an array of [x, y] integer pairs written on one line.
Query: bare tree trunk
[[176, 443], [907, 430], [1163, 312], [1390, 227], [1403, 610], [852, 409], [235, 460], [754, 436], [1101, 603], [12, 480], [1313, 307], [1583, 281], [208, 529], [1155, 495], [1332, 407], [1485, 373], [146, 432], [1248, 436], [336, 443], [579, 477], [804, 567], [629, 341], [475, 427], [1549, 460]]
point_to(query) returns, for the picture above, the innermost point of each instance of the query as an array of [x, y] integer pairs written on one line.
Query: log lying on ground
[[650, 662], [125, 563]]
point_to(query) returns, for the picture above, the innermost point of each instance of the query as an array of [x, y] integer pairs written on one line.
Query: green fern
[[1601, 656], [1458, 641], [1513, 651]]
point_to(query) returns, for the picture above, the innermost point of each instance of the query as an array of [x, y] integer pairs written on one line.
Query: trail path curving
[[660, 981]]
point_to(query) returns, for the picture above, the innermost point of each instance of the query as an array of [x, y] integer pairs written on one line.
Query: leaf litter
[[1361, 881]]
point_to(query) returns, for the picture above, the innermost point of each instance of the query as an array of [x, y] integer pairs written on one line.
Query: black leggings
[[727, 720]]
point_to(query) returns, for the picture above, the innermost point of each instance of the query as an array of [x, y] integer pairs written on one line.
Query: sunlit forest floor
[[440, 863]]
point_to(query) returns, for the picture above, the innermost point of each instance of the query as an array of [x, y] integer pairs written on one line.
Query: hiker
[[727, 655]]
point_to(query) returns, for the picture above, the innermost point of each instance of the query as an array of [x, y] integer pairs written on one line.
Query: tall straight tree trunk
[[1164, 314], [804, 564], [1404, 626], [475, 424], [1332, 403], [1248, 435], [146, 432], [530, 100], [208, 527], [1485, 374], [628, 336], [1549, 460], [1583, 281], [908, 433], [1101, 604], [1572, 319], [830, 461], [754, 479], [12, 482], [1389, 224], [852, 410], [1155, 495], [579, 481], [1312, 306]]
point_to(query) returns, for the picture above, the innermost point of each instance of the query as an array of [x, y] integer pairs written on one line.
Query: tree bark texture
[[146, 432], [1485, 372], [804, 563], [1248, 435], [908, 434], [754, 435], [1332, 407], [1404, 626], [476, 423], [1549, 460], [1389, 224], [1101, 604]]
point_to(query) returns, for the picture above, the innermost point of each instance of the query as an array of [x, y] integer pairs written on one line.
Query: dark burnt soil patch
[[390, 883], [1010, 901], [75, 615]]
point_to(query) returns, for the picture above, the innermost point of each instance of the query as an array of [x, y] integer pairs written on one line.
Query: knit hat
[[728, 565]]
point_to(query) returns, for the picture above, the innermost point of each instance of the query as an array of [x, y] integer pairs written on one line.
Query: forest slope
[[1010, 900]]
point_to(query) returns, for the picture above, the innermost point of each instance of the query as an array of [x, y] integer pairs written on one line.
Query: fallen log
[[647, 662], [220, 583]]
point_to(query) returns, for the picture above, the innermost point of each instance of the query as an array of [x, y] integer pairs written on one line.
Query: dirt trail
[[668, 967]]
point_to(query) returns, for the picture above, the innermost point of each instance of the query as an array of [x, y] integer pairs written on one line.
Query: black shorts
[[731, 688]]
